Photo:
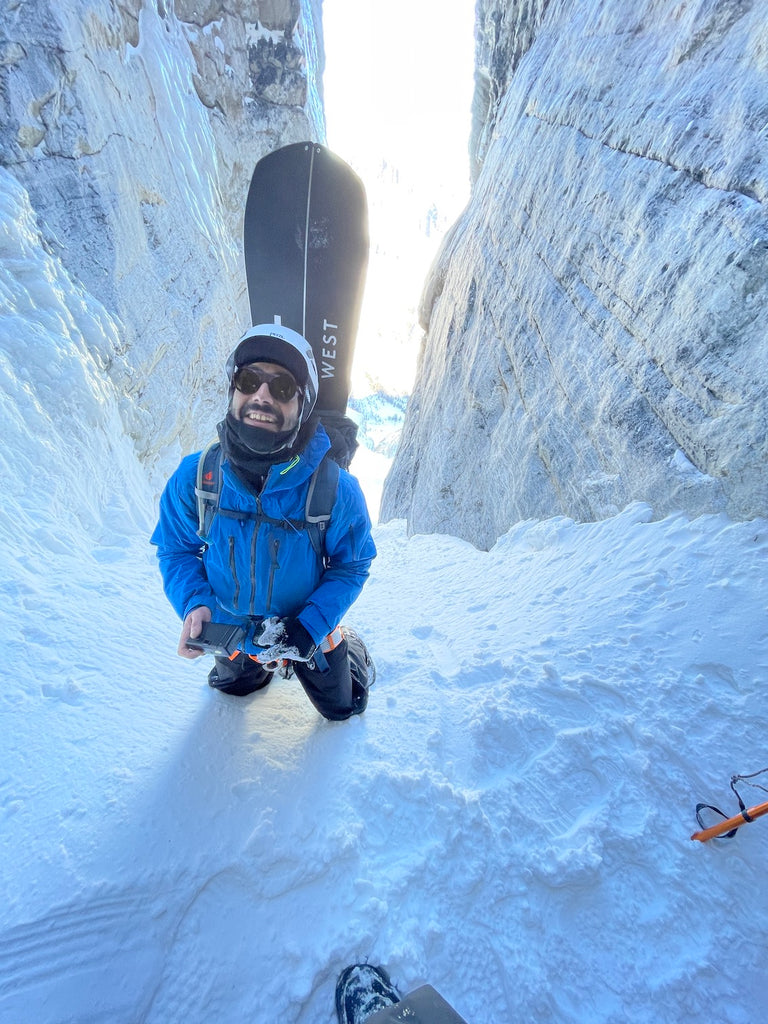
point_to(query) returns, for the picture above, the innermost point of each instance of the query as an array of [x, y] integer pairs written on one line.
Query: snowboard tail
[[306, 256], [423, 1006]]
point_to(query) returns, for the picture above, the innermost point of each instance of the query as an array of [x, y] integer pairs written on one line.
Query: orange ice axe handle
[[731, 823]]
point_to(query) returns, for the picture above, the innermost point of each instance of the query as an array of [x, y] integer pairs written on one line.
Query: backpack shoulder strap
[[321, 498], [208, 486]]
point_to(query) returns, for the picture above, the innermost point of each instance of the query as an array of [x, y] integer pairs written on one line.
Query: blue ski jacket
[[257, 569]]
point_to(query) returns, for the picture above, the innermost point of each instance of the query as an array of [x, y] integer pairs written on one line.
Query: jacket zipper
[[274, 549], [233, 570], [254, 539]]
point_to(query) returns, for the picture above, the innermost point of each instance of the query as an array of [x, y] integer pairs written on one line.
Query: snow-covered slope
[[509, 820]]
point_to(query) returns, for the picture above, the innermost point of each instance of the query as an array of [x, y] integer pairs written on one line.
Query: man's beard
[[278, 421], [255, 440], [249, 442], [252, 451]]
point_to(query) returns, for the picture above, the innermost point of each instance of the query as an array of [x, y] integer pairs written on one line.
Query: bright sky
[[398, 91]]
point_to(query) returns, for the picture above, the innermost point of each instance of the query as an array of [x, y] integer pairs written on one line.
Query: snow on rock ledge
[[596, 321]]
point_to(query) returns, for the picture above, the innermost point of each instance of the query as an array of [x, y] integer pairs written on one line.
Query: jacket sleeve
[[350, 550], [179, 548]]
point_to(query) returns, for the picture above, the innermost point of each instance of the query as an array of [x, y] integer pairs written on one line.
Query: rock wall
[[134, 128], [596, 320]]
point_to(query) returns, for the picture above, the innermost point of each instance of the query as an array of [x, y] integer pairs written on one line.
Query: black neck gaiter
[[252, 451]]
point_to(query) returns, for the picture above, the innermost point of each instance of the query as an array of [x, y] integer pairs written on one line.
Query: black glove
[[284, 639]]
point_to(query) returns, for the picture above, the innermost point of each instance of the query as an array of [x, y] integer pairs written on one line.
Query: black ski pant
[[337, 691]]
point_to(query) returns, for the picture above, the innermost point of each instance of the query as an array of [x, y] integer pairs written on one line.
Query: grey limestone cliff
[[596, 323], [134, 128]]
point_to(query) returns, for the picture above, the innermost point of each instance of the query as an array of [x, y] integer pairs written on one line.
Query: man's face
[[261, 408]]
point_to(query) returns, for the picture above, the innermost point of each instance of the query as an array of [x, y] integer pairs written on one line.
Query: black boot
[[362, 668], [361, 990]]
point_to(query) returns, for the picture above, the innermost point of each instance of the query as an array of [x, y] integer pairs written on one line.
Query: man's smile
[[262, 416]]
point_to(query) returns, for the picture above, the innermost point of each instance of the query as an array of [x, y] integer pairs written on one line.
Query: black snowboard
[[306, 254]]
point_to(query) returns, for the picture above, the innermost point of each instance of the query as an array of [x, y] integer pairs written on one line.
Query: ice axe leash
[[727, 829]]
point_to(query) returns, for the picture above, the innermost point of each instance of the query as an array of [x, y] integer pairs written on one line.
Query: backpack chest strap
[[261, 517]]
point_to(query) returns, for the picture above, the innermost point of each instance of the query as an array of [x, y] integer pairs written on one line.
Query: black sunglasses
[[281, 386]]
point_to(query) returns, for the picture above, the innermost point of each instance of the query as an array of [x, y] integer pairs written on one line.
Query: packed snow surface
[[509, 821]]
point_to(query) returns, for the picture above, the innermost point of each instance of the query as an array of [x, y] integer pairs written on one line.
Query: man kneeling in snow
[[254, 562]]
